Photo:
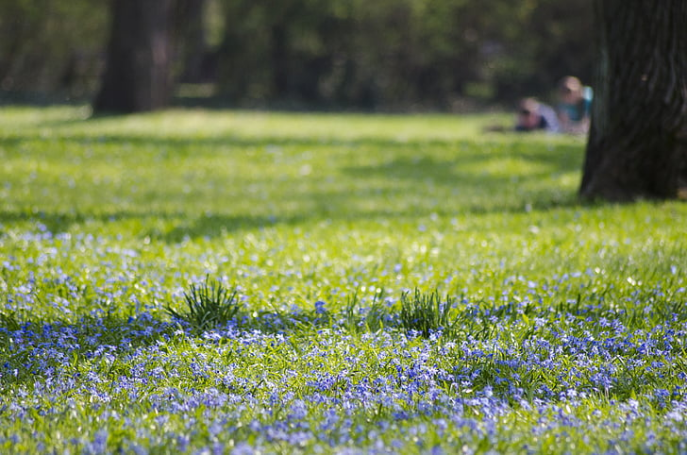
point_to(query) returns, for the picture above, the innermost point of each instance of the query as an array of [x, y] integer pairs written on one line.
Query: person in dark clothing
[[536, 116]]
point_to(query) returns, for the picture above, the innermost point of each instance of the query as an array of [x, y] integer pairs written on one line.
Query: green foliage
[[208, 305], [390, 54], [406, 54], [426, 313], [51, 47], [9, 321], [358, 318]]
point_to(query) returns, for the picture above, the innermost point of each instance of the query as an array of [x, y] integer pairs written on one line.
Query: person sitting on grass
[[574, 106], [536, 116]]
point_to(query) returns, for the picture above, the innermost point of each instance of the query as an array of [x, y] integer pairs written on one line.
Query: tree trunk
[[637, 143], [193, 33], [280, 61], [138, 68]]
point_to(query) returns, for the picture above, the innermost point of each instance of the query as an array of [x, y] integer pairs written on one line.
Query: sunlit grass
[[567, 319]]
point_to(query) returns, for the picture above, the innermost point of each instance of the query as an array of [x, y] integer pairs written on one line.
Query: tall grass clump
[[372, 318], [426, 313], [208, 305]]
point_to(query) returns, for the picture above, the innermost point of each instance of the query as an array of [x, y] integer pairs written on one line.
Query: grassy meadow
[[248, 282]]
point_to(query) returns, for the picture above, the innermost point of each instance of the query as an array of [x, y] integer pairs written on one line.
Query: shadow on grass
[[562, 157], [31, 349], [185, 226], [35, 349], [401, 187]]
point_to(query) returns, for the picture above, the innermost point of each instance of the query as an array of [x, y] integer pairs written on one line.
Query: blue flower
[[320, 307]]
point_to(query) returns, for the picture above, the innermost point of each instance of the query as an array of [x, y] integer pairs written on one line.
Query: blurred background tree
[[393, 55], [138, 72], [51, 48]]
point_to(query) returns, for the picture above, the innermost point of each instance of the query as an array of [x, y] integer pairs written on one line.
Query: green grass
[[340, 233], [208, 305]]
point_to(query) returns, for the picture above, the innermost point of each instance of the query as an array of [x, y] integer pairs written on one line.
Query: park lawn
[[559, 327]]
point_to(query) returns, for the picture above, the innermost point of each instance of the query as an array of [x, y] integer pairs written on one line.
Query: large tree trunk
[[139, 57], [637, 143]]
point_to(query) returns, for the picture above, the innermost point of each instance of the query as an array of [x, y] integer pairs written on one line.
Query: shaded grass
[[274, 167]]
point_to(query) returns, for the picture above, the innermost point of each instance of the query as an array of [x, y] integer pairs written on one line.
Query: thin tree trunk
[[193, 32], [138, 68], [280, 66], [637, 143]]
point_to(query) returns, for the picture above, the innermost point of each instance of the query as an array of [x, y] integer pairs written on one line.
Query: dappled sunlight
[[274, 166], [393, 276]]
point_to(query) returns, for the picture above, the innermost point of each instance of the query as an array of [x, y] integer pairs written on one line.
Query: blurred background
[[369, 55]]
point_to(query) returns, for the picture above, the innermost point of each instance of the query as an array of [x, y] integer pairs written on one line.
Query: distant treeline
[[330, 54]]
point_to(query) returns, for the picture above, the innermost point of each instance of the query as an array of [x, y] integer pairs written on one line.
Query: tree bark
[[138, 73], [193, 36], [637, 142], [280, 60]]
